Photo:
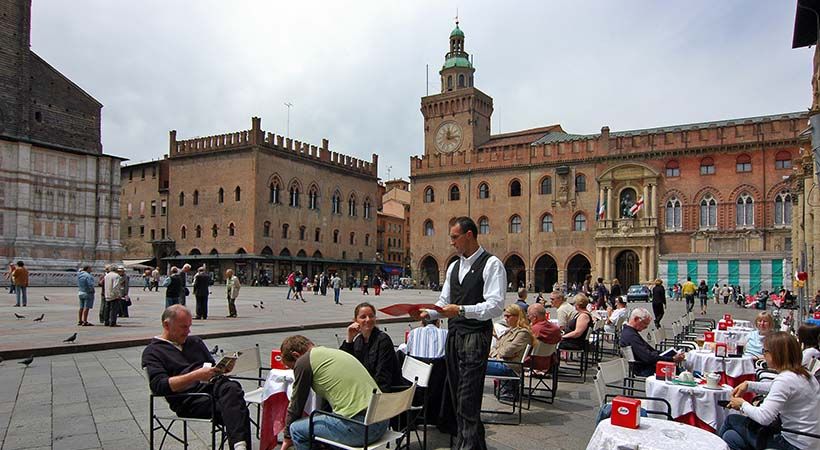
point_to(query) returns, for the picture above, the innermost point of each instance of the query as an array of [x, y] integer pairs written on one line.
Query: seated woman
[[808, 335], [576, 336], [372, 347], [511, 345], [793, 395], [764, 322], [613, 315]]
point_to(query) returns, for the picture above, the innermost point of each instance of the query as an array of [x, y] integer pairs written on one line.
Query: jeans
[[336, 292], [690, 302], [740, 433], [171, 301], [338, 430], [21, 292], [499, 369], [290, 290]]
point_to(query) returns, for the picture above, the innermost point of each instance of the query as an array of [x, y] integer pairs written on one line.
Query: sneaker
[[80, 323]]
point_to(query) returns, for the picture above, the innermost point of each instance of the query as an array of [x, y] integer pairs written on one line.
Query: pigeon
[[261, 302], [40, 319], [254, 306], [45, 298], [138, 299], [27, 361], [19, 316], [215, 350], [260, 305], [71, 338]]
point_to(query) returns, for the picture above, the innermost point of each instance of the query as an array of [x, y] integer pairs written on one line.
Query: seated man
[[427, 341], [339, 378], [645, 355], [175, 363], [613, 315], [544, 331], [565, 312]]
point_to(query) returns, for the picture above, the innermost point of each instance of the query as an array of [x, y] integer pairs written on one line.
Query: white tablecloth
[[706, 361], [653, 434], [685, 399], [738, 334], [281, 380], [742, 323]]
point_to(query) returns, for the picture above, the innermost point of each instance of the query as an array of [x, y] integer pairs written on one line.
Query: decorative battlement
[[559, 147], [256, 137]]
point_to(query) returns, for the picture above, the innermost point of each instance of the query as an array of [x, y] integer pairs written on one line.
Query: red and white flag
[[636, 207]]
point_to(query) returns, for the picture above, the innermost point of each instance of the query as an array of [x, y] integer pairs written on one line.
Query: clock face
[[448, 137]]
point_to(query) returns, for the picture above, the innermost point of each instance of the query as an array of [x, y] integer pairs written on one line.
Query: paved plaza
[[99, 399]]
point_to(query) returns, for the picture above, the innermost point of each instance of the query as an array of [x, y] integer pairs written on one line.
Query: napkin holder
[[276, 360], [626, 412], [727, 317], [722, 325], [817, 315], [662, 367], [721, 351], [708, 336], [730, 323]]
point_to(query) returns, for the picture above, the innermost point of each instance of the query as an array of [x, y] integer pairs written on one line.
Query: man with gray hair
[[428, 340], [565, 310], [646, 357]]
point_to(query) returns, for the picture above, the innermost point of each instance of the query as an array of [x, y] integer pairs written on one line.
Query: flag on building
[[601, 209], [636, 207]]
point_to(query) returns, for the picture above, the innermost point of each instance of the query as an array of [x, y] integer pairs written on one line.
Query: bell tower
[[458, 118]]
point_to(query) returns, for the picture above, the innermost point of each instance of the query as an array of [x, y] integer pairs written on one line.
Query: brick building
[[59, 194], [705, 200], [261, 204], [394, 230], [144, 215]]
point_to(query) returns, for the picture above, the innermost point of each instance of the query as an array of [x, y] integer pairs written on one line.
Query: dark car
[[637, 293]]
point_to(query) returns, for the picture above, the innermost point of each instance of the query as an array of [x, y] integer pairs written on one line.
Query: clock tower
[[458, 118]]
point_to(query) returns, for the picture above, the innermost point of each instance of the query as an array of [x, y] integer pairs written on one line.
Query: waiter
[[472, 295]]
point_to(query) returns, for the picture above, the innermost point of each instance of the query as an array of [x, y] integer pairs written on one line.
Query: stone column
[[646, 204], [610, 207], [644, 273], [652, 263], [654, 196], [599, 263], [607, 264]]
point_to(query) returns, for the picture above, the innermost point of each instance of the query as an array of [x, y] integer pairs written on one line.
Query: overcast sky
[[355, 71]]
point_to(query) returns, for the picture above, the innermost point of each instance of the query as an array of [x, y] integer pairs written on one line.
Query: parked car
[[637, 293]]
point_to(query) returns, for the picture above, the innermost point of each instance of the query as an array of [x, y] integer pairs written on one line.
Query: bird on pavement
[[138, 299], [260, 305], [40, 319], [45, 298], [19, 316], [71, 338], [261, 302], [215, 350], [27, 361], [254, 306]]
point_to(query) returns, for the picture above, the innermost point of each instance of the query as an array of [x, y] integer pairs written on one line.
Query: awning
[[266, 258], [139, 263]]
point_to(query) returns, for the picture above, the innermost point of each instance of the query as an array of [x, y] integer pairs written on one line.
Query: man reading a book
[[646, 357], [179, 363]]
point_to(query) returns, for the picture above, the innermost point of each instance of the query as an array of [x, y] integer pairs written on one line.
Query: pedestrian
[[125, 300], [85, 291], [231, 291], [365, 282], [377, 285], [8, 277], [471, 297], [113, 295], [688, 290], [174, 289], [299, 286], [103, 303], [336, 284], [291, 285], [601, 294], [615, 292], [323, 281], [146, 279], [183, 275], [716, 293], [316, 285], [724, 294], [20, 280], [155, 279], [703, 295], [658, 301], [202, 283]]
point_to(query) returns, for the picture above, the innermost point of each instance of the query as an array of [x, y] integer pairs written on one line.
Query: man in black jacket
[[658, 301], [202, 282], [178, 363], [646, 356]]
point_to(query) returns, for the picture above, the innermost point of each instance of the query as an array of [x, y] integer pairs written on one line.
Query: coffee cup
[[712, 380]]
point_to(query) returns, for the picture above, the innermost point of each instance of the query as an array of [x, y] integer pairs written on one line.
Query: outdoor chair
[[615, 376], [413, 369], [382, 406], [542, 367], [596, 339], [574, 370], [250, 360], [517, 378], [604, 398]]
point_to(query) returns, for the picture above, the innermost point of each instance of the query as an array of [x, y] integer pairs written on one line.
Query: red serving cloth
[[404, 309]]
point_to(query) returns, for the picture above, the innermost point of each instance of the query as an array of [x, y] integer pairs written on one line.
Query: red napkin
[[404, 309]]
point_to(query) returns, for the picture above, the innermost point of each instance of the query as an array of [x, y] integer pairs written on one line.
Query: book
[[669, 353], [226, 363]]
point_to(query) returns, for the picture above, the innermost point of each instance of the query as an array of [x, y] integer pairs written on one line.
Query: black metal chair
[[503, 380], [542, 368], [165, 422]]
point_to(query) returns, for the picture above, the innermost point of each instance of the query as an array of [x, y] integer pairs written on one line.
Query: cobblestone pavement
[[99, 399]]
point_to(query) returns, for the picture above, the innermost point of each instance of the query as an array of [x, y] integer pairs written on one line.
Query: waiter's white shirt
[[495, 281]]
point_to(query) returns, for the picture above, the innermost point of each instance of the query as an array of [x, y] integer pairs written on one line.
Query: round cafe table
[[693, 405], [733, 370], [736, 333], [653, 434]]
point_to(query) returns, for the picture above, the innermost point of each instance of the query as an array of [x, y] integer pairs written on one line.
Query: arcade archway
[[429, 271], [627, 266], [577, 269], [516, 273], [546, 273]]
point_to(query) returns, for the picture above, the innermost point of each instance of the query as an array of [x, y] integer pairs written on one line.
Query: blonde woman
[[232, 291], [511, 345], [764, 324]]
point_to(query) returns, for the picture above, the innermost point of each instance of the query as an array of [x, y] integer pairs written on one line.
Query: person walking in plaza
[[471, 297], [688, 290], [323, 282], [103, 303], [183, 277], [724, 294], [85, 289], [154, 280], [298, 286], [174, 289], [336, 284], [703, 296], [146, 279], [231, 291], [202, 283], [124, 288], [291, 281], [365, 283], [7, 276], [113, 287], [615, 292], [716, 293], [19, 278], [377, 285], [659, 301]]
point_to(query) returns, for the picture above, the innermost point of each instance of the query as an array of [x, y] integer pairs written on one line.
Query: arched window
[[335, 236], [313, 198], [515, 189], [183, 232], [449, 82], [580, 183], [367, 240], [783, 160], [352, 238], [515, 224], [745, 211], [483, 190], [366, 208], [198, 231], [231, 229], [483, 225], [580, 222], [708, 212], [546, 223], [294, 195], [428, 228], [672, 168], [273, 193], [302, 233], [743, 163], [181, 199], [285, 231], [429, 195], [214, 231], [196, 197], [783, 209], [707, 166], [455, 193], [266, 229], [220, 196], [461, 80], [237, 194], [351, 206], [336, 203], [674, 220], [317, 234], [546, 186]]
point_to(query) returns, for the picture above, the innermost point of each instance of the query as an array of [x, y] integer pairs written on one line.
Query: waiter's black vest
[[469, 291]]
